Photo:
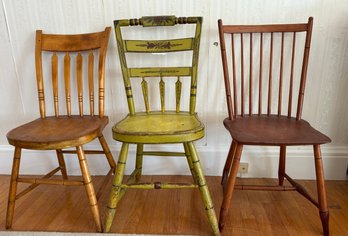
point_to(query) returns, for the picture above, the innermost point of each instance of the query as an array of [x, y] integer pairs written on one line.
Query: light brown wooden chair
[[268, 57], [58, 132]]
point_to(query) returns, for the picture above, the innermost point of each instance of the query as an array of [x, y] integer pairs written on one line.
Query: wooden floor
[[65, 209]]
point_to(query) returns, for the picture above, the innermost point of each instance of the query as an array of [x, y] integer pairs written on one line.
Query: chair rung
[[164, 153], [159, 185], [33, 186], [85, 151], [301, 190], [50, 181], [265, 187]]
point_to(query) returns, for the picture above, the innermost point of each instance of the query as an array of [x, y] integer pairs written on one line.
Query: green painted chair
[[163, 126]]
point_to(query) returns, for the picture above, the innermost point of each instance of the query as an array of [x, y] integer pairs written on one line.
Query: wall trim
[[263, 161]]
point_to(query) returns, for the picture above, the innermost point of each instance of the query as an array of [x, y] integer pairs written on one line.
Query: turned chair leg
[[89, 188], [228, 163], [323, 209], [200, 179], [13, 187], [190, 163], [139, 161], [61, 162], [116, 191], [281, 168], [230, 186], [107, 152]]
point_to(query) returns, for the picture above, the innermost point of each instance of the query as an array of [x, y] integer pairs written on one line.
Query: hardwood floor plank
[[65, 209]]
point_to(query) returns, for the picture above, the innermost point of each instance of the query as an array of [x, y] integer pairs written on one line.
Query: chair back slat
[[67, 46], [178, 87], [91, 82], [162, 94], [265, 28], [165, 47], [55, 82], [160, 71], [274, 47], [79, 82], [145, 89], [67, 83], [71, 43], [154, 46]]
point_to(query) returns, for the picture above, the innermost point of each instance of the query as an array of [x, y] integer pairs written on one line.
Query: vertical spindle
[[242, 73], [235, 100], [162, 94], [91, 82], [251, 76], [269, 110], [260, 76], [79, 82], [55, 82], [178, 86], [291, 74], [67, 82], [281, 77], [145, 90]]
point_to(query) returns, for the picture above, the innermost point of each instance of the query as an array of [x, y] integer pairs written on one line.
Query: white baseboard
[[263, 161]]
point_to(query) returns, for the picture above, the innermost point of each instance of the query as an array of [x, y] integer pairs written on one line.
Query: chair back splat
[[265, 58], [159, 46], [72, 47]]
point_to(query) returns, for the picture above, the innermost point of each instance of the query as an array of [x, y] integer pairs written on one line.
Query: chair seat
[[56, 133], [273, 130], [158, 127]]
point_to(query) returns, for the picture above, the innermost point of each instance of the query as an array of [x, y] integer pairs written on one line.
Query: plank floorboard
[[65, 209]]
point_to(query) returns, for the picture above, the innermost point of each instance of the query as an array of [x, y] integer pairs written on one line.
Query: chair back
[[76, 48], [265, 58], [158, 46]]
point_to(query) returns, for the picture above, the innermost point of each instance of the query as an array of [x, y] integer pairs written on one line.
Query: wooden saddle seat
[[158, 127], [273, 130], [57, 133]]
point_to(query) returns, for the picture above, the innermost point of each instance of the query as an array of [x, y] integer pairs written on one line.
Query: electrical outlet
[[243, 167]]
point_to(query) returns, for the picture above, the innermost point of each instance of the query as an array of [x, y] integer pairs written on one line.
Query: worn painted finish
[[158, 45], [160, 71], [154, 46], [159, 127]]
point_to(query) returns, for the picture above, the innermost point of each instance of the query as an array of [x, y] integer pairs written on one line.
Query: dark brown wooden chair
[[58, 132], [268, 58]]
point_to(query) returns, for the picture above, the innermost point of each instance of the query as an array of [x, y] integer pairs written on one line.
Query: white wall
[[325, 103]]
